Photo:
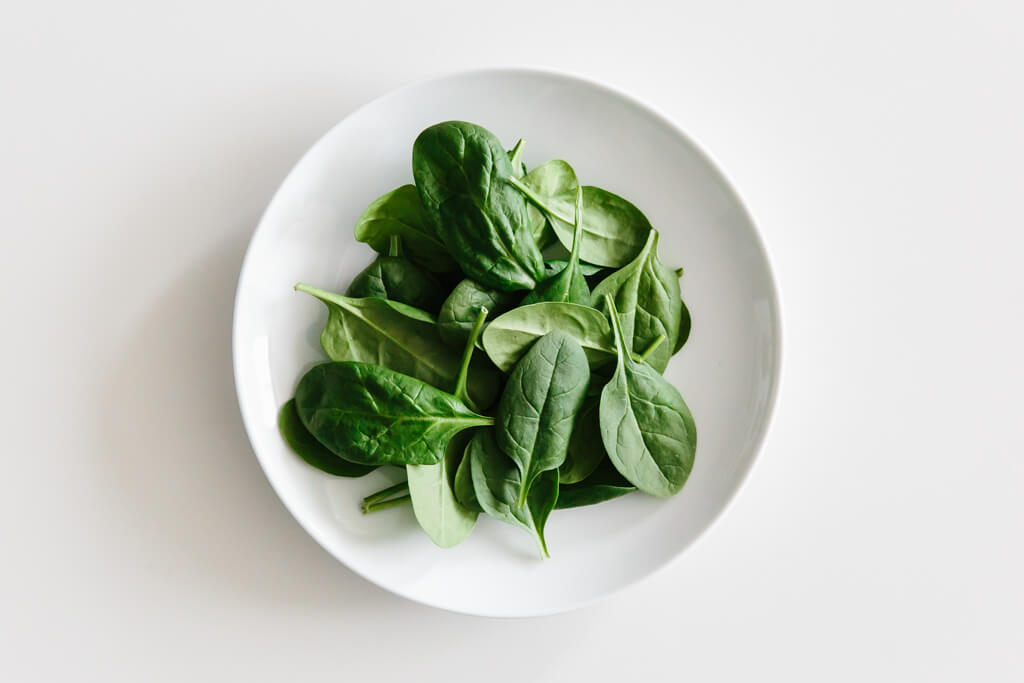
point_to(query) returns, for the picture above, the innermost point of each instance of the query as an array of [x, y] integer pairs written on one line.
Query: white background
[[879, 146]]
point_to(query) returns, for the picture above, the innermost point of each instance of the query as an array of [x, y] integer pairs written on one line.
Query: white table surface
[[879, 146]]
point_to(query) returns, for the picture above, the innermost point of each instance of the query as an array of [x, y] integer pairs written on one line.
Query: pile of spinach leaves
[[505, 348]]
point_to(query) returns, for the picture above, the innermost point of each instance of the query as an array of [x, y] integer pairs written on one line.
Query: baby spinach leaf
[[586, 450], [400, 212], [464, 491], [496, 484], [582, 494], [515, 157], [312, 451], [446, 521], [614, 230], [646, 294], [646, 427], [396, 278], [461, 172], [538, 408], [684, 328], [509, 335], [377, 416], [458, 312], [568, 284], [550, 187], [399, 337]]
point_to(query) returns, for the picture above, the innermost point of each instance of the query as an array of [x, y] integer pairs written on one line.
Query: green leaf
[[399, 337], [515, 157], [509, 335], [568, 285], [646, 426], [437, 510], [646, 294], [554, 184], [582, 494], [684, 328], [398, 279], [312, 451], [464, 491], [458, 312], [539, 406], [401, 213], [496, 484], [586, 451], [462, 172], [377, 416], [614, 230]]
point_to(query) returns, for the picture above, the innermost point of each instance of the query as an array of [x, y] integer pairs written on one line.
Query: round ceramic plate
[[728, 371]]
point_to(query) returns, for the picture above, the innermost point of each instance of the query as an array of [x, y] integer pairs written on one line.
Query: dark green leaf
[[458, 312], [684, 328], [462, 172], [568, 285], [401, 213], [646, 427], [586, 451], [312, 451], [398, 279], [464, 491], [582, 494], [496, 484], [509, 335], [399, 337], [377, 416], [539, 406], [646, 294]]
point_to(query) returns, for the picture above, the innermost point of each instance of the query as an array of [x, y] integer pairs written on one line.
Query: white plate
[[728, 371]]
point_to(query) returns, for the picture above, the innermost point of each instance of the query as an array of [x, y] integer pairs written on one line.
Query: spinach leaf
[[551, 187], [614, 230], [446, 521], [464, 491], [458, 312], [646, 427], [684, 327], [434, 503], [515, 157], [496, 484], [538, 408], [555, 266], [399, 337], [400, 212], [646, 294], [377, 416], [586, 450], [396, 278], [578, 495], [312, 451], [461, 172], [568, 284], [509, 335]]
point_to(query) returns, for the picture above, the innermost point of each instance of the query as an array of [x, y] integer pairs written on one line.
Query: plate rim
[[777, 323]]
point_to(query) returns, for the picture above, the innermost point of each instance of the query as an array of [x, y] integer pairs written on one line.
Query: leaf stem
[[519, 185], [467, 355], [515, 156], [653, 346], [620, 340], [394, 502], [395, 245], [577, 233], [400, 487]]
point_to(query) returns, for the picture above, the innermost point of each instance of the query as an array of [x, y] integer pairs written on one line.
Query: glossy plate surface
[[728, 372]]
